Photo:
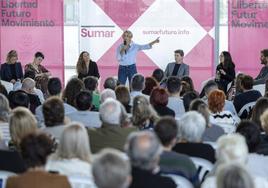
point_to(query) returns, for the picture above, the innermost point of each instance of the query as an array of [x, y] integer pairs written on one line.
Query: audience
[[123, 96], [143, 114], [171, 162], [150, 84], [137, 85], [110, 83], [73, 87], [34, 149], [112, 133], [159, 100], [73, 156], [4, 117], [260, 106], [220, 117], [53, 112], [91, 84], [144, 150], [212, 131], [191, 129], [83, 103], [111, 170], [158, 75], [245, 101], [232, 148], [107, 93], [174, 100], [234, 176], [54, 89], [188, 97]]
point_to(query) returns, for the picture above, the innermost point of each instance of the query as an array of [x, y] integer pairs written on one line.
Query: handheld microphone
[[125, 43]]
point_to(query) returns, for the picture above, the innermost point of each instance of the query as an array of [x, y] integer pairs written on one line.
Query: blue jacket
[[6, 74]]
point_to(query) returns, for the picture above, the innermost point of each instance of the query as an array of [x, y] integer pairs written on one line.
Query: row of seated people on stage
[[159, 129]]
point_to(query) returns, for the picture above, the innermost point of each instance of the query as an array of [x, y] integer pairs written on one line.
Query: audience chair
[[260, 88], [203, 167], [81, 182], [3, 177], [180, 181]]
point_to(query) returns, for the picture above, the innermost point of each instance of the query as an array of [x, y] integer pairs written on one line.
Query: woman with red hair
[[159, 100], [224, 119]]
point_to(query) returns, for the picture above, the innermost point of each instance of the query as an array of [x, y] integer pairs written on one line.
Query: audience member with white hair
[[28, 86], [73, 156], [234, 176], [191, 129], [231, 148], [111, 170], [112, 132], [144, 150], [107, 93]]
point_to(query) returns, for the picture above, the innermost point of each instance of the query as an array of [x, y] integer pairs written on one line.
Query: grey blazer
[[183, 70]]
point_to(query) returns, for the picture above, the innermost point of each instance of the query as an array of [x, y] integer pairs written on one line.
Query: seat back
[[203, 167], [260, 88], [180, 181], [247, 107], [81, 182], [3, 177]]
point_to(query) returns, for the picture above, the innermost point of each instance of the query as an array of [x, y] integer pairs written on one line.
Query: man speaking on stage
[[126, 55]]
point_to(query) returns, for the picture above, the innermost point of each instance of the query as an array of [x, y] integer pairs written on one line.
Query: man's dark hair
[[265, 52], [83, 100], [91, 83], [18, 98], [179, 51], [247, 82], [158, 74], [166, 129], [110, 83], [137, 82], [39, 54], [54, 86], [188, 97], [53, 111], [251, 132], [173, 84], [35, 149]]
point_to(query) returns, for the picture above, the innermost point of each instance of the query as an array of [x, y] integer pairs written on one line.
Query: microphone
[[125, 43]]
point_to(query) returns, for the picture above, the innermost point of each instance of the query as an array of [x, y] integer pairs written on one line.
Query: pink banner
[[28, 26], [180, 24], [248, 31]]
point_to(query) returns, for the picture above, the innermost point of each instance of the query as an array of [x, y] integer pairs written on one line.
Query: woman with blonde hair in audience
[[220, 117], [143, 114], [73, 155], [212, 132], [21, 123]]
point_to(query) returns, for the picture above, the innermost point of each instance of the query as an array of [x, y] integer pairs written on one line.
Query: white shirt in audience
[[257, 164], [88, 118], [69, 167], [176, 104]]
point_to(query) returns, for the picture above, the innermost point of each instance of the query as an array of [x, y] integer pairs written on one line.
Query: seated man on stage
[[263, 75], [177, 68]]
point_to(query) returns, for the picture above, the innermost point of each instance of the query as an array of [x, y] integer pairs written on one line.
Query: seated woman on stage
[[225, 71], [41, 73], [86, 67], [11, 71]]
